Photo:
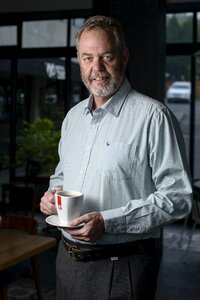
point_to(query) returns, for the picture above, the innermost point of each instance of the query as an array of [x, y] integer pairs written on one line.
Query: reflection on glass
[[8, 35], [198, 26], [55, 70], [40, 102], [79, 91], [76, 24], [52, 33], [178, 68], [178, 91], [41, 89], [179, 27]]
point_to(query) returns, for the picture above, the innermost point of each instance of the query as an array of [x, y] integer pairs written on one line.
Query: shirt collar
[[114, 104]]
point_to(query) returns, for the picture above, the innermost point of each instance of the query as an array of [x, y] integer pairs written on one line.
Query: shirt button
[[93, 126], [88, 148], [81, 172]]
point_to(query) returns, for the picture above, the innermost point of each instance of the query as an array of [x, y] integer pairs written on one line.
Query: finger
[[91, 239], [47, 207], [87, 233], [80, 236], [78, 233], [77, 221], [48, 196], [44, 211]]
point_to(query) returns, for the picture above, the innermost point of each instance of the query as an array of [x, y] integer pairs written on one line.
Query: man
[[125, 152]]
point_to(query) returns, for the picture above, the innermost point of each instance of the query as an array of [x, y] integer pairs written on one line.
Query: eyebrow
[[86, 54], [90, 54]]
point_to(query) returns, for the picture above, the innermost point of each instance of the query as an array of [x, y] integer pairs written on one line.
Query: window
[[178, 91], [198, 26], [75, 26], [182, 84], [179, 28], [44, 83], [36, 34], [8, 35]]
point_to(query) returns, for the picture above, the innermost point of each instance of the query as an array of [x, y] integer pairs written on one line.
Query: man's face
[[102, 63]]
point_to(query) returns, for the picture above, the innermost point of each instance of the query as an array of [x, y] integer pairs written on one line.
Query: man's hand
[[92, 229], [47, 203]]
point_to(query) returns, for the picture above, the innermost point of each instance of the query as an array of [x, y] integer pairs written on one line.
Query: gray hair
[[105, 23]]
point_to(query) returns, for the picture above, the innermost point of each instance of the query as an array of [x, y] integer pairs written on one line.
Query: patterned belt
[[80, 252]]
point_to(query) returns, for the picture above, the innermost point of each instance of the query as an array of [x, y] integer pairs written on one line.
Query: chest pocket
[[119, 161]]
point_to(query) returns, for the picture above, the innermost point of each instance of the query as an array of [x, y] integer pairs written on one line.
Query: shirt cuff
[[113, 222]]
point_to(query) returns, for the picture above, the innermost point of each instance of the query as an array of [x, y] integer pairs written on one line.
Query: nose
[[98, 64]]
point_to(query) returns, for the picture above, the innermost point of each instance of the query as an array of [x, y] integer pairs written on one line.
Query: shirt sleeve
[[56, 180], [171, 199]]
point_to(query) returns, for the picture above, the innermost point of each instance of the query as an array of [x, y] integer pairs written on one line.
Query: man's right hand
[[47, 203]]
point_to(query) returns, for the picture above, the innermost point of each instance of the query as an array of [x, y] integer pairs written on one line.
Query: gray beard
[[106, 90]]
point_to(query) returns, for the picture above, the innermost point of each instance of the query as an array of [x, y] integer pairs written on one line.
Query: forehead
[[97, 39]]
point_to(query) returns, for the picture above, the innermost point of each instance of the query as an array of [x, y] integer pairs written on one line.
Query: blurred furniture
[[19, 194], [19, 242]]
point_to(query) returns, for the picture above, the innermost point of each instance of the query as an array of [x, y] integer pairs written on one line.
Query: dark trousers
[[131, 277]]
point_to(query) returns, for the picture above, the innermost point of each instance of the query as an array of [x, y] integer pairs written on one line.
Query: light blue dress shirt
[[128, 158]]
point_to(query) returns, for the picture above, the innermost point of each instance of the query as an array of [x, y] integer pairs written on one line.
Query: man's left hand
[[92, 229]]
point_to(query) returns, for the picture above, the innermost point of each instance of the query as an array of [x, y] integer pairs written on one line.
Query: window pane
[[198, 26], [178, 91], [178, 68], [179, 28], [8, 35], [55, 70], [79, 92], [76, 24], [37, 34], [40, 94], [41, 88]]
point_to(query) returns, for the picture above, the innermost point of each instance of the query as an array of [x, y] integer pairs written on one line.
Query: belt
[[81, 252]]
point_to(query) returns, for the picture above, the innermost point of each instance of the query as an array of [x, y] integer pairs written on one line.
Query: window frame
[[189, 48], [15, 52]]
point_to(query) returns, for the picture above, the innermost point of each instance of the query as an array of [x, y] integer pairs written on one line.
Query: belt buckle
[[72, 253], [75, 255]]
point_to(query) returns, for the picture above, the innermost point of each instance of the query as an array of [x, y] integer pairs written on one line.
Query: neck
[[99, 101]]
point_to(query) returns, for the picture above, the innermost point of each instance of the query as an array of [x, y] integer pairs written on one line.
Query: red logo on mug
[[59, 202]]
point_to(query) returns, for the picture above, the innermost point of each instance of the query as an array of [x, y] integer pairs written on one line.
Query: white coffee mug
[[68, 205]]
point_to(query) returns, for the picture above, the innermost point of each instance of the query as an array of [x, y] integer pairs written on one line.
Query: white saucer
[[54, 221]]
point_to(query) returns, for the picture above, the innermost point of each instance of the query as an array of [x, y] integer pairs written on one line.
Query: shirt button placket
[[88, 149]]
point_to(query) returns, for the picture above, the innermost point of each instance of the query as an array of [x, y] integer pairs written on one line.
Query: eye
[[107, 57], [87, 59]]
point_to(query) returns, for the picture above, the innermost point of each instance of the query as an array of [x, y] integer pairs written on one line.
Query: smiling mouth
[[100, 79]]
